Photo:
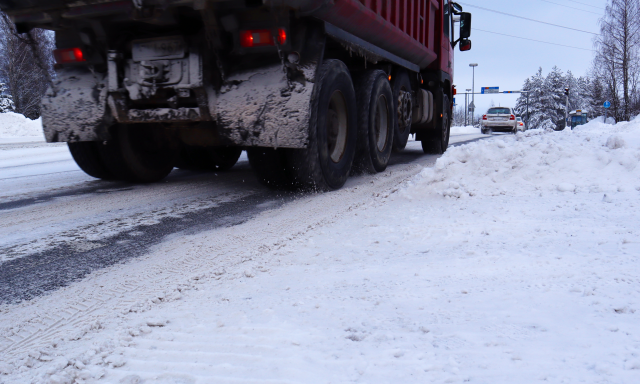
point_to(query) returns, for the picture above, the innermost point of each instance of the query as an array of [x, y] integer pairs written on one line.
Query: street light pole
[[466, 107], [473, 87]]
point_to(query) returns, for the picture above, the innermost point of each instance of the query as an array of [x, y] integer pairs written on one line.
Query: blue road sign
[[490, 90], [607, 104]]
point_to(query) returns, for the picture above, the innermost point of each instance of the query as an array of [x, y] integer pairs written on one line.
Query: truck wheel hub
[[404, 110]]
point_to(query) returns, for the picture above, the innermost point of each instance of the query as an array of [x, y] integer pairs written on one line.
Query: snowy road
[[510, 260], [58, 224]]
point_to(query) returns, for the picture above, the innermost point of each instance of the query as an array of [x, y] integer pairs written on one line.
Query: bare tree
[[618, 51], [26, 66]]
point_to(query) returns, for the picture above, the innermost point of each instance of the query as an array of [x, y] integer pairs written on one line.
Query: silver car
[[499, 119]]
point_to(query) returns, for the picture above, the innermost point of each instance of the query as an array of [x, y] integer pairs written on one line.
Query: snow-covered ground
[[467, 130], [512, 260], [15, 128]]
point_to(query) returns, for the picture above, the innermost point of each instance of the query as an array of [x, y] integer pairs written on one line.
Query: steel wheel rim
[[381, 123], [337, 126], [404, 106]]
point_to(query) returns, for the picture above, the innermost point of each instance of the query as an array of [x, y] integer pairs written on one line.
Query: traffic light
[[566, 91]]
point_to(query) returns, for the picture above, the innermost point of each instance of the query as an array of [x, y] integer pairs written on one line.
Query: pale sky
[[506, 62]]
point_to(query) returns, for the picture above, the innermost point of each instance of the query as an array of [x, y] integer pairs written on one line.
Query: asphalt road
[[57, 225]]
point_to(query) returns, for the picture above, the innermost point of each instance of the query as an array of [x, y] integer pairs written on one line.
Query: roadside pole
[[566, 107], [527, 127], [606, 106], [465, 109]]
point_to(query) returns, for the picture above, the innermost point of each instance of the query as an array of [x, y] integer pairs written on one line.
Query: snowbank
[[14, 125], [467, 130], [593, 158]]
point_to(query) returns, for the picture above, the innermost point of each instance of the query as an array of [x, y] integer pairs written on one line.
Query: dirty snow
[[513, 260]]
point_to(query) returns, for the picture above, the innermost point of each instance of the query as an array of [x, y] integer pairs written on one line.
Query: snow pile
[[468, 130], [594, 158], [16, 125]]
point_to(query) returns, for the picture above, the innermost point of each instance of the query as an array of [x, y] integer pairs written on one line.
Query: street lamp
[[473, 87], [466, 107]]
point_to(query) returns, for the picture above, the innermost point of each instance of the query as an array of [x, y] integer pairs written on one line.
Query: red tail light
[[68, 55], [512, 117], [261, 38], [282, 36], [484, 117]]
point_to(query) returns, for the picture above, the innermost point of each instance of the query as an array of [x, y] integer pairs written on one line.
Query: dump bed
[[406, 28]]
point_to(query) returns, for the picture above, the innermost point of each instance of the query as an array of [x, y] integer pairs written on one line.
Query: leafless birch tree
[[25, 66], [618, 51]]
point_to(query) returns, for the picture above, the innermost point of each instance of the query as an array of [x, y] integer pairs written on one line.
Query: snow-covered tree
[[26, 65], [547, 100], [538, 114], [6, 101]]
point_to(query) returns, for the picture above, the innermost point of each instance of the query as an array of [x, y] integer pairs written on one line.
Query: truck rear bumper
[[259, 108]]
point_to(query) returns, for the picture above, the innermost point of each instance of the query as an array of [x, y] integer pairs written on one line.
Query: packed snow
[[14, 127], [466, 130], [513, 260]]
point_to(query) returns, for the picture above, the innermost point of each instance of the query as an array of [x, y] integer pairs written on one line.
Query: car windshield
[[498, 111]]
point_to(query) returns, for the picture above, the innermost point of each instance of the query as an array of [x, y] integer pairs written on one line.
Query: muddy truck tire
[[271, 167], [326, 162], [218, 159], [138, 154], [437, 141], [376, 120], [401, 86], [86, 154]]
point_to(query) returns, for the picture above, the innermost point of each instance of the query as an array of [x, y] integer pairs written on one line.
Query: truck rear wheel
[[86, 155], [326, 162], [138, 153], [437, 141], [271, 167], [401, 86], [208, 158], [376, 120]]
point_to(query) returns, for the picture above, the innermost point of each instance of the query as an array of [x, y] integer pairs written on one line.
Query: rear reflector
[[69, 55], [261, 38]]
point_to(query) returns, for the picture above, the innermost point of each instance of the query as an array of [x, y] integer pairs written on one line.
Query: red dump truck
[[313, 90]]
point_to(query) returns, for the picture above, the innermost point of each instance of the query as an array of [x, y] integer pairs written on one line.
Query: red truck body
[[204, 75]]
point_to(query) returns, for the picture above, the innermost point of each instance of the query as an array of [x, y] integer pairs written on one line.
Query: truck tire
[[401, 87], [333, 131], [437, 141], [271, 167], [376, 121], [139, 153], [208, 158], [86, 155]]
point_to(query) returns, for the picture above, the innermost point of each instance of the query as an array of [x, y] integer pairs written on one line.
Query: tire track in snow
[[157, 277], [151, 280]]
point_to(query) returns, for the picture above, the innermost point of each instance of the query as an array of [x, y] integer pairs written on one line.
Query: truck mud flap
[[262, 108], [74, 109]]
